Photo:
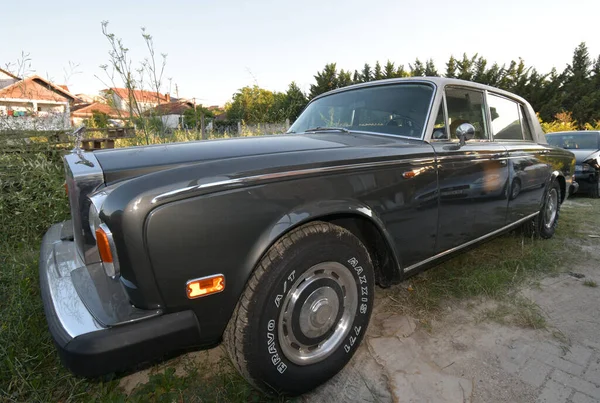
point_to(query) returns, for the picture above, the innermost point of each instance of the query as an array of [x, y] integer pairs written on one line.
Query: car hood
[[582, 156], [124, 163]]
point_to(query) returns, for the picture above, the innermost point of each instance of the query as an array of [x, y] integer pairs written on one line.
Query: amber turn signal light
[[103, 246], [204, 286]]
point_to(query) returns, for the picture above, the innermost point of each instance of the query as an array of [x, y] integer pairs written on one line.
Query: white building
[[33, 103]]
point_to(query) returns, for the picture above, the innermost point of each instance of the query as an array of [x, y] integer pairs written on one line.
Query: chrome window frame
[[443, 100], [521, 108], [427, 117]]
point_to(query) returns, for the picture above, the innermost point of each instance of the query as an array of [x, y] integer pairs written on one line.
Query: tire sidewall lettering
[[349, 343]]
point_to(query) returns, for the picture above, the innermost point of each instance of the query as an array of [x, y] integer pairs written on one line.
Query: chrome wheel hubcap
[[317, 313], [551, 208]]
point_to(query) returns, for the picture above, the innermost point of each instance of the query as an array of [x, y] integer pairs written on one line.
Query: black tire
[[544, 224], [254, 337]]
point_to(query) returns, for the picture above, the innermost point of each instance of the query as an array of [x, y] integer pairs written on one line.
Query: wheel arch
[[357, 218], [562, 183]]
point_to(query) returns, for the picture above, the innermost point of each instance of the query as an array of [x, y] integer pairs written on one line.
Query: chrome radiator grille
[[83, 176]]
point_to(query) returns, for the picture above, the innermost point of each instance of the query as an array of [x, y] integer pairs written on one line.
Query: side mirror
[[465, 132]]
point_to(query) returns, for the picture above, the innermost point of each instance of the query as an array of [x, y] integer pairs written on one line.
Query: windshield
[[573, 141], [399, 109]]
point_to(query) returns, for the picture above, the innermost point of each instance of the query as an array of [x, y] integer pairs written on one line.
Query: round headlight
[[94, 219]]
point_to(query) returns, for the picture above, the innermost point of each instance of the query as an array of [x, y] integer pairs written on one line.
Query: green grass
[[497, 268], [590, 283], [32, 198]]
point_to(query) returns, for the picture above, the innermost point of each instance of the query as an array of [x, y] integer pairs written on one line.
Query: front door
[[473, 179]]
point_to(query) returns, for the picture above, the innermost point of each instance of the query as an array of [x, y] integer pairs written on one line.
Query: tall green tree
[[295, 101], [417, 69], [366, 74], [577, 91], [430, 70], [378, 72], [389, 71], [344, 79], [451, 68], [326, 80], [252, 105]]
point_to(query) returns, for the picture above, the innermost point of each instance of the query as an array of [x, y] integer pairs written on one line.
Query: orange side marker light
[[204, 286], [103, 246]]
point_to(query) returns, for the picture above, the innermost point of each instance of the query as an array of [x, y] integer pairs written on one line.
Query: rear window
[[574, 141]]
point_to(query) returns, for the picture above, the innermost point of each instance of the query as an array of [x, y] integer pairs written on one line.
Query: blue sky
[[216, 47]]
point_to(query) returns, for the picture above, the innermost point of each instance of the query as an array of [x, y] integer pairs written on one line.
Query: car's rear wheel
[[304, 311], [545, 223]]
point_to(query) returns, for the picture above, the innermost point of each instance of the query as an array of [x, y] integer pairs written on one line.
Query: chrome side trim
[[459, 247], [249, 180]]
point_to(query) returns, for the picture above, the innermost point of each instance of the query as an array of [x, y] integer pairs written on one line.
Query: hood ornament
[[78, 134]]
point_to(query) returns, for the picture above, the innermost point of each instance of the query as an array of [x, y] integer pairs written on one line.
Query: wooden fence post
[[239, 128], [202, 128]]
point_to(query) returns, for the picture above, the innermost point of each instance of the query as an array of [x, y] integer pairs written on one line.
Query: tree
[[366, 75], [377, 73], [252, 105], [344, 79], [451, 68], [577, 86], [430, 70], [295, 101], [417, 69], [400, 72], [356, 77], [193, 117], [465, 67], [389, 71], [326, 80]]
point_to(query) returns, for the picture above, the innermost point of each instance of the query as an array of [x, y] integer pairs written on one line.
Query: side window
[[525, 123], [506, 119], [439, 128], [466, 106]]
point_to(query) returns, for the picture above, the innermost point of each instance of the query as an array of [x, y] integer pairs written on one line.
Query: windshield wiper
[[327, 129]]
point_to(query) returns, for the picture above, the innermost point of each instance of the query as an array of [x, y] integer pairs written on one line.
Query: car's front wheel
[[304, 311]]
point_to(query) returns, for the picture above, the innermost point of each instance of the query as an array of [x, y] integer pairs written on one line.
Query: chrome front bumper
[[93, 325], [58, 259]]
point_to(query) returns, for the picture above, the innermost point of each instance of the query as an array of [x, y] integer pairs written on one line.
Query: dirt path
[[462, 358]]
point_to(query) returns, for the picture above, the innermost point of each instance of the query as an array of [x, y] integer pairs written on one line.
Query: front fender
[[315, 211]]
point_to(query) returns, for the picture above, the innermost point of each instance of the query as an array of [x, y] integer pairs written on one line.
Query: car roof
[[437, 81]]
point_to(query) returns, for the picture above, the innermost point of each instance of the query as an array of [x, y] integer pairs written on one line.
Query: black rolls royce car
[[586, 147], [274, 244]]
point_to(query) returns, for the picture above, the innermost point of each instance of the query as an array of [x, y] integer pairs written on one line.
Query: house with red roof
[[86, 110], [33, 103], [134, 101]]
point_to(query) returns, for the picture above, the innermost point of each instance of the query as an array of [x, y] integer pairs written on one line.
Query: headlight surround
[[94, 219], [96, 201]]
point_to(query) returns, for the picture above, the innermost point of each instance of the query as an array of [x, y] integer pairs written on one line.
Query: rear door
[[528, 170], [473, 178]]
